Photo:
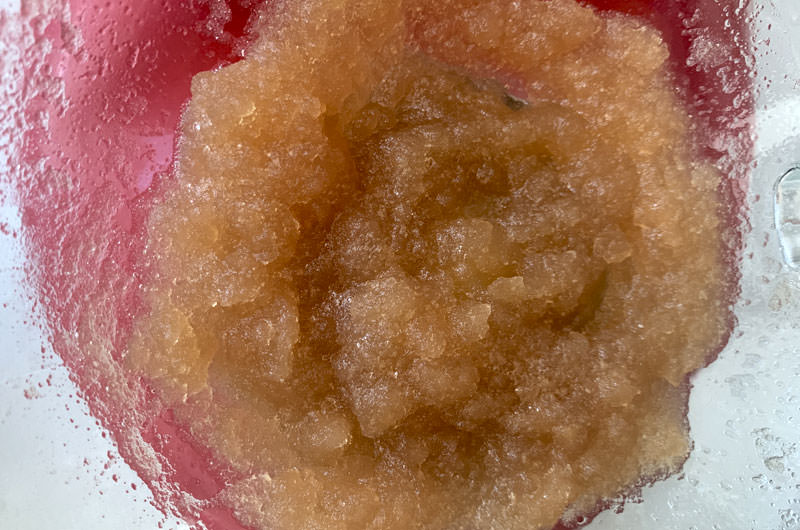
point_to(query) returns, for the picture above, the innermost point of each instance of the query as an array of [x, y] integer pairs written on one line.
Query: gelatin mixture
[[434, 264]]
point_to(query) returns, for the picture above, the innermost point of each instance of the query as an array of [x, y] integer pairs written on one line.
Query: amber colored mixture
[[434, 264]]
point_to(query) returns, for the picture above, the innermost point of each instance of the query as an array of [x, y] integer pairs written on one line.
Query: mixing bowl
[[61, 467]]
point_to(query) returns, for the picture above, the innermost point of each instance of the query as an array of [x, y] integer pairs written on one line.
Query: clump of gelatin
[[434, 264]]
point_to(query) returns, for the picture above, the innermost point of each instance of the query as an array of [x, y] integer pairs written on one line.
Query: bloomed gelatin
[[434, 264]]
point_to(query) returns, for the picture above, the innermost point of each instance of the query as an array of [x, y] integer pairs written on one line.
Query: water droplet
[[787, 216], [775, 464]]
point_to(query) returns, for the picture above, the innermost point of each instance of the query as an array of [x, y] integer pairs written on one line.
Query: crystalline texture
[[434, 265]]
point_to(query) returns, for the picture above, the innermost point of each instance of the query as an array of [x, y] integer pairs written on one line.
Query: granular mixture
[[435, 264]]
